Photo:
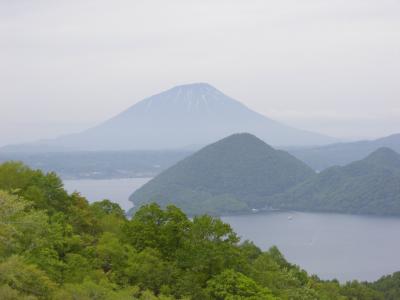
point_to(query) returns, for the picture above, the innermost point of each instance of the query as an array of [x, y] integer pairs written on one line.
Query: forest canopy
[[55, 245]]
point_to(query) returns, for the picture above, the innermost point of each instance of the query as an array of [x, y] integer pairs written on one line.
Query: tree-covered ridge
[[388, 285], [368, 186], [232, 175], [58, 246], [341, 154]]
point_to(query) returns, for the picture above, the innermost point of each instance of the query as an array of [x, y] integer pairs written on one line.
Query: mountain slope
[[232, 175], [340, 154], [193, 114], [368, 186]]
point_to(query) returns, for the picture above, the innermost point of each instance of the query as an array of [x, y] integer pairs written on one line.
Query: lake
[[339, 246], [345, 247], [116, 190]]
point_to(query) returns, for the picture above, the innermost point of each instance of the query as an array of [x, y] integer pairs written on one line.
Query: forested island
[[242, 174], [233, 175], [368, 186], [55, 245]]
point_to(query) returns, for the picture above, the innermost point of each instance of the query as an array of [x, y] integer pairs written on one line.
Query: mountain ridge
[[367, 186], [192, 114], [340, 154]]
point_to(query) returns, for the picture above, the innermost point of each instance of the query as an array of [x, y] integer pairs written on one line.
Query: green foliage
[[58, 246], [21, 227], [153, 227], [7, 293], [356, 290], [230, 176], [368, 186], [389, 286], [235, 286], [25, 278]]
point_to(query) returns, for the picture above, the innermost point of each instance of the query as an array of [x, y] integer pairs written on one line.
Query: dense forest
[[233, 175], [369, 186], [55, 245]]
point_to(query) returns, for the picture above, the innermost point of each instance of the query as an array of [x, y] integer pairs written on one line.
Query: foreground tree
[[58, 246]]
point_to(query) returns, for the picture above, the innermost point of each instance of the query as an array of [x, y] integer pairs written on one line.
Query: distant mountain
[[340, 154], [99, 164], [368, 186], [232, 175], [184, 116]]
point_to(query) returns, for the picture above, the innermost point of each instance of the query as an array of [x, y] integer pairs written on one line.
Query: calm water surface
[[116, 190], [338, 246]]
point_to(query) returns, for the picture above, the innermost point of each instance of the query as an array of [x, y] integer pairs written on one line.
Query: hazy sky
[[327, 66]]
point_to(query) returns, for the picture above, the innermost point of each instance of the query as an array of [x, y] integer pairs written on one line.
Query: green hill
[[368, 186], [232, 175], [341, 154]]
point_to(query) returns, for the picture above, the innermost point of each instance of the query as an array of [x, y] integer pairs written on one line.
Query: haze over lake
[[339, 246], [116, 190]]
